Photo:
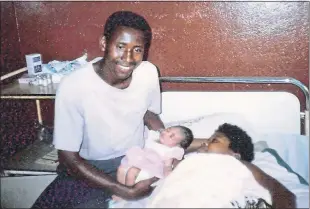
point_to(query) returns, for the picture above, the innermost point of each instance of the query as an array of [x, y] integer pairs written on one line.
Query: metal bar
[[32, 173], [256, 80], [307, 123], [8, 75], [27, 97], [39, 112]]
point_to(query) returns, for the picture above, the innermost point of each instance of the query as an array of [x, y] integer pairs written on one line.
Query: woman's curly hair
[[240, 141]]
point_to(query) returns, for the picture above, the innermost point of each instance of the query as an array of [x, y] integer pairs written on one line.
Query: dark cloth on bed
[[253, 204], [68, 192]]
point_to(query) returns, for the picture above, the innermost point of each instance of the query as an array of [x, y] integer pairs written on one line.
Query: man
[[100, 112]]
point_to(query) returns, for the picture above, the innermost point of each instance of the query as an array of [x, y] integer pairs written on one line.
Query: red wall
[[190, 38]]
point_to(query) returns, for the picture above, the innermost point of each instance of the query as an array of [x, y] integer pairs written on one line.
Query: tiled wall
[[190, 38]]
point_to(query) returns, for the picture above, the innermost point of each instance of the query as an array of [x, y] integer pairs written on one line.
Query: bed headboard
[[270, 112]]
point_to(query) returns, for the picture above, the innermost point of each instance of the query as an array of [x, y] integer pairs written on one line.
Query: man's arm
[[96, 178], [68, 135], [153, 121], [281, 196]]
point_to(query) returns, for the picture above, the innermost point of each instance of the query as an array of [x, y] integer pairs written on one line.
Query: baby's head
[[176, 136], [232, 140]]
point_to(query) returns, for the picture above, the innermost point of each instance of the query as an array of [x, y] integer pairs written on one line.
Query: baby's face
[[171, 136]]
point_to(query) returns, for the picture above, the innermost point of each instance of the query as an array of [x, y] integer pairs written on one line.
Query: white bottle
[[34, 63]]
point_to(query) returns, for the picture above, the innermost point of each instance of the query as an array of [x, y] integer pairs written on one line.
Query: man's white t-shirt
[[100, 121]]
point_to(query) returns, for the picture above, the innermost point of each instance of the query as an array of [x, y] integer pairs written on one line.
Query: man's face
[[125, 52], [217, 143]]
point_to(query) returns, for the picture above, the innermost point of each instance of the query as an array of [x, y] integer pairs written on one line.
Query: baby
[[161, 149]]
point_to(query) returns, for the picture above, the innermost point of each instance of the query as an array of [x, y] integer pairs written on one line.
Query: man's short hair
[[240, 141], [128, 19]]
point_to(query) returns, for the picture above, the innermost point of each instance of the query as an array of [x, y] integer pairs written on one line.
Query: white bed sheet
[[293, 149], [268, 164]]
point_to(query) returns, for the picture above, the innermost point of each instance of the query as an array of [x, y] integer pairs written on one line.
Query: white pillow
[[204, 126]]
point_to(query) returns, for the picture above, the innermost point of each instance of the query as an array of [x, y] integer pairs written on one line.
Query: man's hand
[[141, 189], [153, 121], [79, 168]]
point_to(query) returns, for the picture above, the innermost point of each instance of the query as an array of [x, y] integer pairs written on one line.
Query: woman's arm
[[281, 196], [195, 145], [96, 178]]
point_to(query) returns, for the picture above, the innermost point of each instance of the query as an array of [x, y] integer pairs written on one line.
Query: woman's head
[[176, 135], [230, 139]]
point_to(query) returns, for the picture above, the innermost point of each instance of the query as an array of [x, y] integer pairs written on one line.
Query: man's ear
[[102, 43]]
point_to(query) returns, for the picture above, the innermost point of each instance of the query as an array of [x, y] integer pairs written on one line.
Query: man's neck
[[104, 72]]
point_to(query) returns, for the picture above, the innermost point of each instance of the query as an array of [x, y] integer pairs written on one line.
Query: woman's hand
[[283, 199], [196, 144]]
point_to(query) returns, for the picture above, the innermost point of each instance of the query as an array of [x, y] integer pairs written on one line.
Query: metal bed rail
[[247, 80]]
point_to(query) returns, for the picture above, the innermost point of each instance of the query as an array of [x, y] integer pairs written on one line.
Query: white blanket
[[263, 160], [223, 180]]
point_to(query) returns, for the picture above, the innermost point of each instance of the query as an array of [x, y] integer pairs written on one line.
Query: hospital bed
[[277, 123], [273, 117]]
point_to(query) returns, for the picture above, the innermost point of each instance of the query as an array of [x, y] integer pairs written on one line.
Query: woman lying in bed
[[207, 178], [227, 178]]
